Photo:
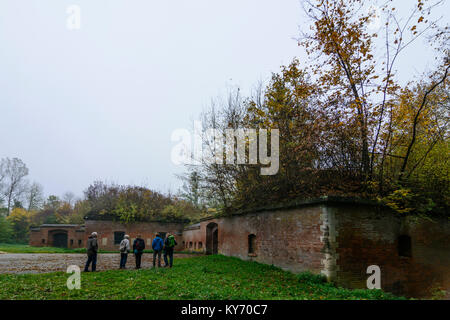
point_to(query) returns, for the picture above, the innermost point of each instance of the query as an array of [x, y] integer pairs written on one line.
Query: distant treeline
[[100, 201]]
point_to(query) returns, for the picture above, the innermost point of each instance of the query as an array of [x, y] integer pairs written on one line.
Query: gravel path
[[51, 262]]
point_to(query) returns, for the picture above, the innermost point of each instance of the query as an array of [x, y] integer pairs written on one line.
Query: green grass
[[199, 278]]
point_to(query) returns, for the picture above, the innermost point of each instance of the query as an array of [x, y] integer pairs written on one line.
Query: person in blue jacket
[[157, 246]]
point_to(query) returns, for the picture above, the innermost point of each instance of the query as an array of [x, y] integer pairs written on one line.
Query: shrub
[[311, 277], [6, 230]]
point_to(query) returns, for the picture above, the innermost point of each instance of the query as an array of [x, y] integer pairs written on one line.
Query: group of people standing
[[159, 247]]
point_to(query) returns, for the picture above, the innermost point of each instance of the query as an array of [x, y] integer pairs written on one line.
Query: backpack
[[139, 246], [171, 242], [123, 246]]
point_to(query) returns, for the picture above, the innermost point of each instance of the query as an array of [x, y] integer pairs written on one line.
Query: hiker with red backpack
[[169, 244], [138, 249], [157, 246]]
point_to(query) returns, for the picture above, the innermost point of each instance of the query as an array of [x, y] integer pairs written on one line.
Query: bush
[[20, 220], [6, 230], [311, 277], [404, 201]]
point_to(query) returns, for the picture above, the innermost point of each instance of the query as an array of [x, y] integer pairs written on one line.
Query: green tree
[[21, 221], [6, 230]]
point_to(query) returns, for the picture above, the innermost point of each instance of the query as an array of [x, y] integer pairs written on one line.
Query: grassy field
[[206, 277], [24, 248]]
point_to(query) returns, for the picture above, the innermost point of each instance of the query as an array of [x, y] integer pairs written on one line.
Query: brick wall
[[370, 236], [290, 239], [147, 230], [339, 241], [43, 236], [194, 238]]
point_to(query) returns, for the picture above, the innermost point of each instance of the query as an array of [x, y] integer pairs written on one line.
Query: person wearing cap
[[124, 250], [92, 249]]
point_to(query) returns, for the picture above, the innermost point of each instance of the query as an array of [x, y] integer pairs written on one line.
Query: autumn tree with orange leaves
[[348, 125]]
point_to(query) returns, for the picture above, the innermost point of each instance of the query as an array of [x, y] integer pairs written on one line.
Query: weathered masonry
[[339, 239], [336, 237], [110, 233], [58, 235]]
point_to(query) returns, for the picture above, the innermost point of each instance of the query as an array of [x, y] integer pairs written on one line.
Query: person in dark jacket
[[169, 244], [138, 249], [92, 249], [157, 246]]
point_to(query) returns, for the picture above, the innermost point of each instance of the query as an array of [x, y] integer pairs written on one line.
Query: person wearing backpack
[[169, 244], [124, 250], [138, 249], [157, 246]]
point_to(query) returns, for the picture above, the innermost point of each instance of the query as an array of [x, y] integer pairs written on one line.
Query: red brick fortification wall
[[365, 236], [194, 238], [147, 230], [38, 237], [43, 236], [430, 251], [290, 239]]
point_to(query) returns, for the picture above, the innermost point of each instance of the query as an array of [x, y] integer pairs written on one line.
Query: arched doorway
[[59, 239], [212, 238]]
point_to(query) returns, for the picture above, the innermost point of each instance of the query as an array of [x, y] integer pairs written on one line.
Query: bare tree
[[14, 185], [69, 198], [35, 196], [191, 189], [2, 178]]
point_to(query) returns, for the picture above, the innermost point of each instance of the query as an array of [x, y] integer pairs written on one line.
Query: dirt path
[[51, 262]]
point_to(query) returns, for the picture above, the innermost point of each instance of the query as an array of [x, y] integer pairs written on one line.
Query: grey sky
[[101, 102]]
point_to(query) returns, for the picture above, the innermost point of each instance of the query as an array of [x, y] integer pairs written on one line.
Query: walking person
[[92, 249], [138, 249], [124, 250], [169, 245], [157, 245]]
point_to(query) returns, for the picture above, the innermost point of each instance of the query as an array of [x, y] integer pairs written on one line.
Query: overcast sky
[[101, 102]]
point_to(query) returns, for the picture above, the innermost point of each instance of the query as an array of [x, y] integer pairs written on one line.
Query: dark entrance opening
[[212, 238], [251, 243], [60, 240], [404, 246], [118, 237]]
